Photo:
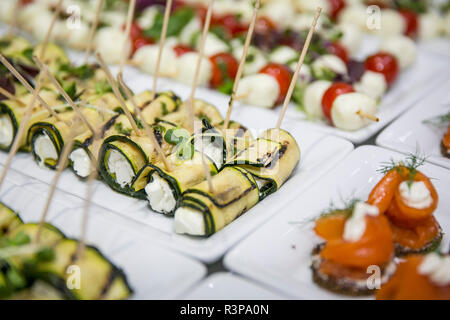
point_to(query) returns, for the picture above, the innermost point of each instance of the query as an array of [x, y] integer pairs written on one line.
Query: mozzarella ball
[[431, 25], [402, 47], [280, 11], [344, 112], [187, 64], [213, 45], [305, 75], [303, 22], [391, 23], [245, 10], [7, 9], [114, 18], [146, 57], [372, 84], [255, 60], [147, 18], [351, 37], [283, 55], [193, 28], [312, 98], [330, 62], [355, 15], [308, 5], [259, 90], [109, 42]]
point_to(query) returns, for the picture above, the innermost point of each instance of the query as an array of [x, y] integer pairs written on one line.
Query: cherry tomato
[[378, 3], [383, 63], [283, 76], [140, 42], [336, 6], [135, 30], [25, 2], [225, 66], [338, 50], [182, 49], [264, 25], [411, 21], [335, 90], [232, 24]]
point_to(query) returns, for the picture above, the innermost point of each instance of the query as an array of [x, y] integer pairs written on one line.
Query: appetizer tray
[[228, 286], [319, 153], [152, 271], [278, 254], [409, 134], [411, 85]]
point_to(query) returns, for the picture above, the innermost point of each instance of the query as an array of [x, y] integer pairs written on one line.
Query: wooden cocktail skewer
[[297, 70], [23, 124], [50, 29], [367, 116], [62, 163], [207, 174], [130, 16], [92, 31], [190, 104], [150, 133], [162, 41], [25, 83], [242, 65], [63, 93], [10, 96], [117, 93]]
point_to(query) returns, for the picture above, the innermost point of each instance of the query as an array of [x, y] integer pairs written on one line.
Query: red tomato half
[[264, 25], [411, 21], [338, 50], [335, 90], [282, 74], [384, 63], [232, 24], [225, 66], [336, 6], [182, 49]]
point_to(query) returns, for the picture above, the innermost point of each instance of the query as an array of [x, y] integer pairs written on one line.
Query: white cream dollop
[[189, 221], [160, 195], [437, 268], [355, 226], [415, 194], [81, 162], [119, 166]]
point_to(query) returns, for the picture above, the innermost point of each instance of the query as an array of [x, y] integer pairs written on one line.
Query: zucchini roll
[[165, 188], [122, 157], [12, 113], [164, 103], [47, 137], [212, 143], [8, 219], [270, 159], [201, 213]]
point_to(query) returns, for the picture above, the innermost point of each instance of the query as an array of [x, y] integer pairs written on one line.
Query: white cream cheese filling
[[415, 194], [45, 149], [189, 221], [355, 226], [437, 268], [119, 166], [81, 162], [6, 131], [160, 195]]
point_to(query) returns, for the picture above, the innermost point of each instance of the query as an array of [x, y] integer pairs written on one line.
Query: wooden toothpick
[[117, 93], [130, 16], [242, 64], [150, 133], [50, 29], [25, 83], [190, 104], [23, 124], [92, 31], [64, 93], [207, 174], [368, 116], [10, 96], [62, 163], [162, 41], [297, 70]]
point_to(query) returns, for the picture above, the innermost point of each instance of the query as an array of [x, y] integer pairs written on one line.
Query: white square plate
[[152, 272], [278, 254], [228, 286], [320, 153], [409, 133]]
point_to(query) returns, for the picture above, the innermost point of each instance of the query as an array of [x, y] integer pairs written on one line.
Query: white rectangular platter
[[278, 254], [228, 286], [320, 153], [153, 272], [409, 133]]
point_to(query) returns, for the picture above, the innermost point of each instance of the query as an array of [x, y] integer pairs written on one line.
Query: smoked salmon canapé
[[358, 240], [408, 199], [419, 277]]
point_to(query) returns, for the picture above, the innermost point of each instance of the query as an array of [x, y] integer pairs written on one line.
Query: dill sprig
[[439, 120], [411, 162]]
